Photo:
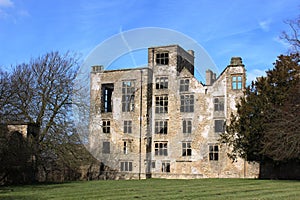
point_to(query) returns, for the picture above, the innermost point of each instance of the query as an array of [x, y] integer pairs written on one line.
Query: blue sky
[[250, 29]]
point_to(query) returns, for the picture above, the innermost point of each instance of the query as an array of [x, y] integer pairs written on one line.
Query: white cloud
[[10, 12], [265, 25], [253, 74], [6, 3]]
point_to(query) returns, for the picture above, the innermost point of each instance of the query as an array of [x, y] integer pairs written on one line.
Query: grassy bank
[[158, 189]]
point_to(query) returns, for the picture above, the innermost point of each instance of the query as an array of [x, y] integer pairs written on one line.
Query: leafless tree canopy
[[293, 36], [40, 92]]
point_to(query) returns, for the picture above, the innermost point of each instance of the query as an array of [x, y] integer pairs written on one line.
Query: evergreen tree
[[266, 125]]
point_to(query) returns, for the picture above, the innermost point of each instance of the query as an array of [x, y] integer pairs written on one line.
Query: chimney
[[235, 61], [191, 52], [97, 68], [214, 77], [209, 77]]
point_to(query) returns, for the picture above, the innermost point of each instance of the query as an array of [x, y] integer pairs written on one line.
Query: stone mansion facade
[[161, 122]]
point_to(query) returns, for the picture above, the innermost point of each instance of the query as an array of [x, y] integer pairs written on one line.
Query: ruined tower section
[[119, 120], [235, 83], [173, 110]]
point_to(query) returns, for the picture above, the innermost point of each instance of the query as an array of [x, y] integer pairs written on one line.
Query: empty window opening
[[161, 104], [187, 103], [213, 152], [186, 149], [161, 148], [162, 58], [127, 126], [126, 166], [161, 83], [106, 126], [184, 85], [187, 126], [161, 127], [219, 104], [128, 94], [165, 166], [125, 147], [106, 100]]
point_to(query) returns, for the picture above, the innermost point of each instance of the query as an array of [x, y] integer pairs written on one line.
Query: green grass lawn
[[158, 189]]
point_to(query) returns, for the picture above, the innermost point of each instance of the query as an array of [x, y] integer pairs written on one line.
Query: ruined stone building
[[160, 121]]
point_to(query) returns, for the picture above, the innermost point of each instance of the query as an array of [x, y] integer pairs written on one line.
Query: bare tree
[[293, 37], [40, 92]]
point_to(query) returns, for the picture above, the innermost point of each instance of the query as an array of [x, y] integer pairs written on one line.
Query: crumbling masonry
[[161, 122]]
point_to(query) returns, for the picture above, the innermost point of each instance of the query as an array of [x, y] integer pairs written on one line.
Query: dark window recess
[[106, 147], [213, 152], [161, 104], [126, 166], [106, 100], [161, 127], [187, 126], [127, 126], [161, 149], [161, 83], [162, 58], [165, 166], [128, 94], [186, 149], [106, 126], [219, 104], [125, 147], [219, 126], [184, 85]]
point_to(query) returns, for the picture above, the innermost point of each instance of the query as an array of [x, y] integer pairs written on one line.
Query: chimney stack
[[97, 68], [191, 52], [210, 77]]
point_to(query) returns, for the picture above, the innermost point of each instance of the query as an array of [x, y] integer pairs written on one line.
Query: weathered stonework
[[181, 142]]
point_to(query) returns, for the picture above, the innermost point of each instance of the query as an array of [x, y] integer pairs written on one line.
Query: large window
[[128, 90], [106, 147], [187, 103], [184, 85], [162, 58], [161, 104], [106, 126], [127, 126], [165, 166], [213, 152], [186, 149], [126, 166], [236, 82], [187, 126], [106, 99], [161, 148], [161, 127], [219, 126], [219, 104], [161, 83]]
